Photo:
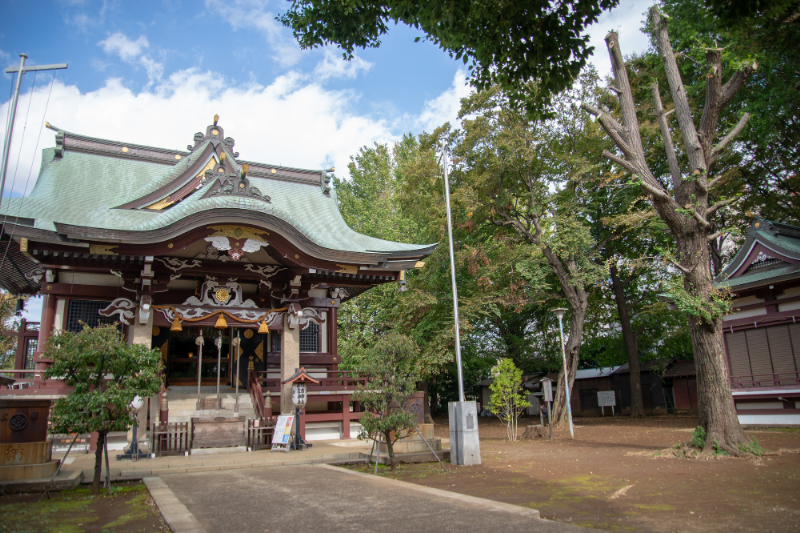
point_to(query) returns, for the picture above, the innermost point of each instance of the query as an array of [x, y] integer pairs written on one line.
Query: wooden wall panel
[[737, 351], [794, 335], [757, 345], [780, 347]]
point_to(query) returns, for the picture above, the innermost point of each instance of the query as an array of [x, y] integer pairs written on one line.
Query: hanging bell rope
[[221, 324], [263, 328], [176, 324]]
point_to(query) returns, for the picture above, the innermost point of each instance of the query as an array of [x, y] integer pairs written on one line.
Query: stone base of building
[[64, 481]]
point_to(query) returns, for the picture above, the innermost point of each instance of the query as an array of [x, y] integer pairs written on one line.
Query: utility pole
[[22, 69]]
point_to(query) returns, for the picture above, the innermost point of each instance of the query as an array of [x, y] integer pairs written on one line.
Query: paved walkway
[[321, 452], [324, 498]]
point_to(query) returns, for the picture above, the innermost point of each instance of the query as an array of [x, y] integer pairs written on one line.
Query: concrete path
[[325, 498], [127, 470]]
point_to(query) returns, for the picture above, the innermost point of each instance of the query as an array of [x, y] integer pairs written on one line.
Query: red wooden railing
[[781, 379], [336, 380]]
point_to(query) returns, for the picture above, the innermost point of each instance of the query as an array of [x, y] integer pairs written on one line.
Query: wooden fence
[[170, 438], [259, 432]]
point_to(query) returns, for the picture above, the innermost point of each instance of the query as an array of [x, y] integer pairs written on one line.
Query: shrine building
[[181, 245]]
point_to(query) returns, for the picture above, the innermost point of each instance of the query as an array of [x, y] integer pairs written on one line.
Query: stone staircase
[[183, 406]]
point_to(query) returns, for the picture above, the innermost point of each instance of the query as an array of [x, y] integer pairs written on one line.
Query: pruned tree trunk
[[629, 336], [426, 407], [390, 448], [98, 462], [686, 211]]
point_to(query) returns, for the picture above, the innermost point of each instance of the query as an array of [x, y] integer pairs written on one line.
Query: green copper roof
[[83, 189]]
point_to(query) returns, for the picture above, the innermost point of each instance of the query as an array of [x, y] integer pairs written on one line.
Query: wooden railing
[[259, 432], [336, 380], [256, 393], [170, 438], [781, 379]]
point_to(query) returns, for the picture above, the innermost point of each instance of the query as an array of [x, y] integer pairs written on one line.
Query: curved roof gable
[[95, 189], [770, 253]]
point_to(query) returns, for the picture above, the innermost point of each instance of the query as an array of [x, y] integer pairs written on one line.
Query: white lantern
[[137, 403], [299, 394]]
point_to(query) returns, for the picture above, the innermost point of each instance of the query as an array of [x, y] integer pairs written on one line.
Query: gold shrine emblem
[[248, 334], [222, 295]]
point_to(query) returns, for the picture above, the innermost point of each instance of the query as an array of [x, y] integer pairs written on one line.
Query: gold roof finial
[[245, 169], [216, 119]]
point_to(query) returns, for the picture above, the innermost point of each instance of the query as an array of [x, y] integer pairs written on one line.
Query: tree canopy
[[506, 43]]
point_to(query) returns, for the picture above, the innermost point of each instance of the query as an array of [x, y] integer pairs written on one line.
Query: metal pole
[[10, 128], [453, 278], [60, 464], [219, 367], [238, 356], [566, 377], [199, 366]]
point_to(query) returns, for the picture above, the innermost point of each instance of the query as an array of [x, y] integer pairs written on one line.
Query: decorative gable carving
[[229, 184]]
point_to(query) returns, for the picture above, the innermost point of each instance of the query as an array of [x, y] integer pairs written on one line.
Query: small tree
[[507, 400], [106, 374], [392, 373]]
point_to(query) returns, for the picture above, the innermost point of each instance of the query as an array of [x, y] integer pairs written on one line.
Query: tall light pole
[[453, 278], [560, 314], [10, 130], [465, 447]]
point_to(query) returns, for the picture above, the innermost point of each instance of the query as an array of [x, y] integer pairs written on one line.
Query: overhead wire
[[30, 170]]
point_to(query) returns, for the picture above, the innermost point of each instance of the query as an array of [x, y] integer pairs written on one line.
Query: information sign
[[281, 438], [606, 398], [547, 389]]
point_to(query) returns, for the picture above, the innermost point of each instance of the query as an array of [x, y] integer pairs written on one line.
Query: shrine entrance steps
[[183, 405]]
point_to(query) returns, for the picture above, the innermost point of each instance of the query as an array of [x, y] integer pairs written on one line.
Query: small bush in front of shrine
[[106, 374], [392, 371]]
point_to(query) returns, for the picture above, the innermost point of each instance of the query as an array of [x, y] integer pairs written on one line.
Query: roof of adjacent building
[[114, 186], [770, 254], [589, 373], [681, 369]]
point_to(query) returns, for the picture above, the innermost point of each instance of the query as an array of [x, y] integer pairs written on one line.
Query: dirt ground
[[129, 509], [612, 478]]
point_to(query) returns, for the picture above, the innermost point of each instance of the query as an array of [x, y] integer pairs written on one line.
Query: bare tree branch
[[718, 149], [697, 216], [711, 210], [672, 158]]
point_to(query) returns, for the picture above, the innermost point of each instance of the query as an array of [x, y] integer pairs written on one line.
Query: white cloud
[[445, 107], [127, 49], [253, 14], [626, 19], [131, 52], [334, 66]]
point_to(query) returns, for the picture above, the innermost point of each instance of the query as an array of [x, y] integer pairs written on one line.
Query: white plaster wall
[[789, 293], [323, 333], [84, 278], [770, 420], [759, 405], [745, 314], [791, 306], [59, 316], [318, 293]]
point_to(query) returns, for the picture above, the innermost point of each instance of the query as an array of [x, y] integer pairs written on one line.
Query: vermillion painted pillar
[[290, 362]]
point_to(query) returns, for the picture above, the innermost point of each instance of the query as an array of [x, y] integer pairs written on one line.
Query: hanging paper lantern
[[221, 324], [263, 328], [176, 325]]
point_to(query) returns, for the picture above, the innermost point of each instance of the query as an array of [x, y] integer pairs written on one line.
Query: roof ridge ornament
[[216, 135]]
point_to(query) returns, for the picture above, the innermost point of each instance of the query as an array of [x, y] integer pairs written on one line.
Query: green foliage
[[752, 448], [8, 321], [698, 438], [505, 43], [508, 398], [392, 370], [709, 307], [106, 374]]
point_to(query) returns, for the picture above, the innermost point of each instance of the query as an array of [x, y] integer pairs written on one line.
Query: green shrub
[[698, 438]]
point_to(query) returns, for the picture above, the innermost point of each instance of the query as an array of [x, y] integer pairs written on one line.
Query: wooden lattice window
[[87, 311], [309, 338]]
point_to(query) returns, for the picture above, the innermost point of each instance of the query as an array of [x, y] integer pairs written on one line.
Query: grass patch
[[753, 448], [655, 506]]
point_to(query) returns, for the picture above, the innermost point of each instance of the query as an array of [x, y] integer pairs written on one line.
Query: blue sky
[[155, 72]]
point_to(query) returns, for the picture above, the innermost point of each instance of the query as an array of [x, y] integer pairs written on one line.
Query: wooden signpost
[[547, 396]]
